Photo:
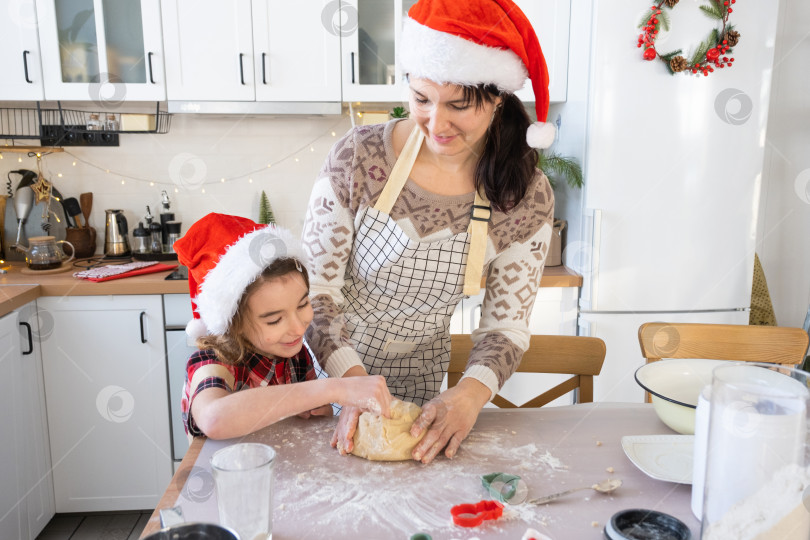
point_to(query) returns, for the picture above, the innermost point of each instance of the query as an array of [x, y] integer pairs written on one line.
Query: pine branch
[[700, 53], [663, 19], [714, 10], [557, 167]]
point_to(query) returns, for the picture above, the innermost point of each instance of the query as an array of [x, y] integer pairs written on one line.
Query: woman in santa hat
[[408, 217]]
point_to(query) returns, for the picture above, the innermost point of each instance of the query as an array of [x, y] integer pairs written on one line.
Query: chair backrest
[[771, 344], [579, 356]]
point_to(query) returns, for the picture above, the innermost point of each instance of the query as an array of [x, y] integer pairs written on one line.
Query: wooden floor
[[97, 526]]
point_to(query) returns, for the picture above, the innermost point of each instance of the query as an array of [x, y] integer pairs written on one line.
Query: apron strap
[[480, 215], [399, 174]]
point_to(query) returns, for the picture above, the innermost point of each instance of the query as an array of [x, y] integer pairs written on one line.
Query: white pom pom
[[196, 329], [540, 134]]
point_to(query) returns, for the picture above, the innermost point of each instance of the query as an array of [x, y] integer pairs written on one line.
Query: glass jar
[[112, 123], [94, 124]]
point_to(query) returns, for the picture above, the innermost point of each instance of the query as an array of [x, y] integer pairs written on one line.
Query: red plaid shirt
[[258, 371]]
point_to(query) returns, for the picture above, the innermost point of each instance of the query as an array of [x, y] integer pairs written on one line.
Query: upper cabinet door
[[209, 50], [105, 51], [550, 20], [19, 54], [370, 29], [296, 47]]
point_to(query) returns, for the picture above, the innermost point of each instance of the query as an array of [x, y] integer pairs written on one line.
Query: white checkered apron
[[400, 294]]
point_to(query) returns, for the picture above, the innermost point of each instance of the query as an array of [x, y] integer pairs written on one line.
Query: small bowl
[[637, 524], [675, 386]]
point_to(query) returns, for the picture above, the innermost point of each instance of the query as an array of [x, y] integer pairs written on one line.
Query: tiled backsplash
[[190, 162]]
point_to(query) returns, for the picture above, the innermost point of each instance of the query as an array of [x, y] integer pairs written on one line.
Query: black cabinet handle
[[264, 72], [143, 337], [241, 69], [352, 68], [25, 65], [151, 75], [30, 338]]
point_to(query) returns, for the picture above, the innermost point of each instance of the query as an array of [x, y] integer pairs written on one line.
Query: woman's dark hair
[[507, 164], [233, 347]]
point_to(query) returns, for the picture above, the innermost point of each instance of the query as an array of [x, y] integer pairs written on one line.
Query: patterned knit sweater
[[351, 180]]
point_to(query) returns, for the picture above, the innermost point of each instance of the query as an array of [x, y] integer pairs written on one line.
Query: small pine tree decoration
[[399, 112], [265, 212]]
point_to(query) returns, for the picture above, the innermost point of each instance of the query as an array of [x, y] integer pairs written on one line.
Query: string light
[[151, 182]]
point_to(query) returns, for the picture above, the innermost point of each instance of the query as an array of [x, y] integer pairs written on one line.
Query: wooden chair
[[770, 344], [579, 356]]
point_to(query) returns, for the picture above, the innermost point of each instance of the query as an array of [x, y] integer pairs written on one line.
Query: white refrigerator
[[672, 169]]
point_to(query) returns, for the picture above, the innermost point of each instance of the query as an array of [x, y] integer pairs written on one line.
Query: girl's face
[[451, 126], [279, 313]]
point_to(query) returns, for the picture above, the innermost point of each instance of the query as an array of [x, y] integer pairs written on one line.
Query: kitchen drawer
[[177, 310]]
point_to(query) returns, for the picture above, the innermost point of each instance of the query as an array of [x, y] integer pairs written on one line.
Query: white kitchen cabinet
[[27, 497], [551, 21], [20, 61], [259, 50], [104, 51], [105, 379], [371, 28]]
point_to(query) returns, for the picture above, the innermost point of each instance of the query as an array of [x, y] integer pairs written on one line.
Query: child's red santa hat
[[224, 254], [478, 42]]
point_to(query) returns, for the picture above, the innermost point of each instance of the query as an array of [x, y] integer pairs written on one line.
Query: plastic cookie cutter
[[505, 487], [472, 515]]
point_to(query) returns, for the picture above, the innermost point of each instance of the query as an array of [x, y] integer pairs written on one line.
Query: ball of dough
[[387, 439]]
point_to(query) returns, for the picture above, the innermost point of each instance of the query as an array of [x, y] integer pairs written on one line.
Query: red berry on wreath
[[649, 54], [730, 10], [712, 54]]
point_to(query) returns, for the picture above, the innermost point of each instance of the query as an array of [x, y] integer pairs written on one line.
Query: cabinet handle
[[30, 337], [241, 69], [25, 65], [264, 72], [143, 338], [352, 68], [151, 75]]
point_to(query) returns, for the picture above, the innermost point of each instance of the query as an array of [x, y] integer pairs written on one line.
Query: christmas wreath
[[711, 53]]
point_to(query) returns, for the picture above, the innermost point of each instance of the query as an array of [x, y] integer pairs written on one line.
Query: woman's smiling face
[[452, 125]]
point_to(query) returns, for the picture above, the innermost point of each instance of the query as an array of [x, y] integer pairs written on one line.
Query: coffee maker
[[116, 243]]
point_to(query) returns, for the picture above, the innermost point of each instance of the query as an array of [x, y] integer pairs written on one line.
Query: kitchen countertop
[[17, 289]]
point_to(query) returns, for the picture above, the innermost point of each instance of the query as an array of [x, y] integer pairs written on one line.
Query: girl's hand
[[448, 417], [324, 410], [368, 393], [343, 437]]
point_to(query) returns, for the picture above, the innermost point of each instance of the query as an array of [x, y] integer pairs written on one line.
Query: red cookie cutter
[[472, 515]]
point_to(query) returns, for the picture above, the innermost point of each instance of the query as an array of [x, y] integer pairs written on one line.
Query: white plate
[[663, 457]]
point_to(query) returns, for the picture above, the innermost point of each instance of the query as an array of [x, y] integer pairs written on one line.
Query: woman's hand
[[448, 417], [368, 393], [343, 437]]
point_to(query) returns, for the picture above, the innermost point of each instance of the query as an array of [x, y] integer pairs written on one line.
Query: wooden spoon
[[606, 486], [86, 203]]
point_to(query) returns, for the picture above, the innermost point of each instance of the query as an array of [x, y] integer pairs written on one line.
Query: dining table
[[318, 493]]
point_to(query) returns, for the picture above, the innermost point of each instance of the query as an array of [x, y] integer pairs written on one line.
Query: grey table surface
[[321, 494]]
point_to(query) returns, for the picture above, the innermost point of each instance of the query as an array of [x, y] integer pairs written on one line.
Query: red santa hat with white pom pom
[[224, 254], [478, 42]]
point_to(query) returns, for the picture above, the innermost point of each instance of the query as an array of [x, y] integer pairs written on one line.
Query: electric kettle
[[115, 234]]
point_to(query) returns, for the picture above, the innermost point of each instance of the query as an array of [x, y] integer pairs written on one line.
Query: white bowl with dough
[[675, 386]]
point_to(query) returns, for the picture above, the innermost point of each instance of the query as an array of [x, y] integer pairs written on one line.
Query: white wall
[[190, 161], [784, 226]]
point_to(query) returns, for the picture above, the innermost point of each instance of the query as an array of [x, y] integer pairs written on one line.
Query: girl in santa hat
[[408, 217], [250, 290]]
